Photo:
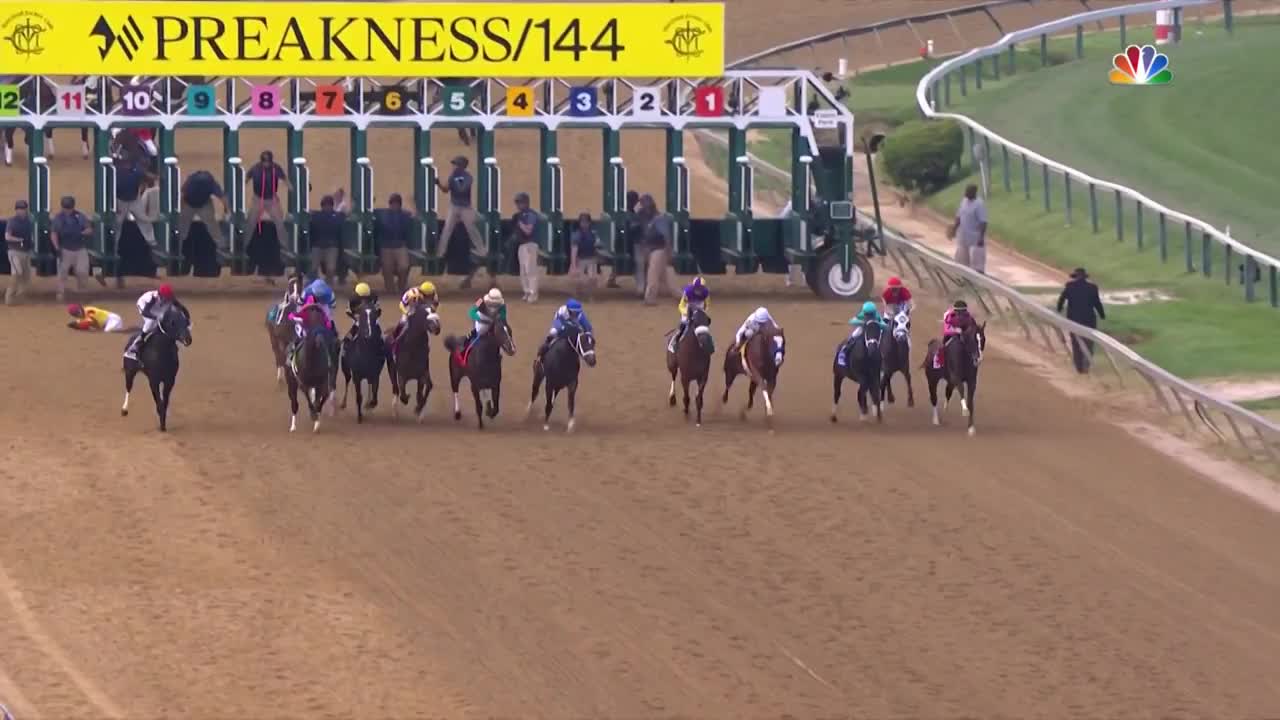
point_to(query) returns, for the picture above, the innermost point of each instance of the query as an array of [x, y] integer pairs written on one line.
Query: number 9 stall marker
[[582, 101], [520, 102], [201, 100], [10, 101], [646, 102], [264, 100], [68, 100]]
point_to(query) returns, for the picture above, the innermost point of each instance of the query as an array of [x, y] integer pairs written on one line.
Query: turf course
[[1204, 144]]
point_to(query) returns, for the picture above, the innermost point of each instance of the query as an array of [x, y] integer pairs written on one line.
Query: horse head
[[585, 344], [175, 326], [506, 338], [367, 321], [424, 316], [700, 329], [872, 334], [901, 326]]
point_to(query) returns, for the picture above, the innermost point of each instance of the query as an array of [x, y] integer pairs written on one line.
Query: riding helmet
[[363, 290], [166, 292], [74, 309], [573, 305], [961, 305], [895, 282], [494, 297], [428, 288]]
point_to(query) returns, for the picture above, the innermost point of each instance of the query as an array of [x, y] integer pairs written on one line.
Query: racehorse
[[897, 358], [362, 357], [158, 360], [409, 359], [862, 362], [760, 358], [279, 330], [311, 368], [692, 360], [963, 355], [481, 365], [560, 366]]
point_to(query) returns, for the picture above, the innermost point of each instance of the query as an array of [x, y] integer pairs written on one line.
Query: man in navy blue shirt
[[393, 228], [458, 185], [325, 232], [524, 225], [267, 182], [131, 179], [18, 240], [198, 192]]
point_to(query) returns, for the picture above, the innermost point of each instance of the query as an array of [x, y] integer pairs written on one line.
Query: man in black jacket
[[1084, 306]]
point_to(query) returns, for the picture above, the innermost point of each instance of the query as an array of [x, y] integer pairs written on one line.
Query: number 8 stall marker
[[264, 100]]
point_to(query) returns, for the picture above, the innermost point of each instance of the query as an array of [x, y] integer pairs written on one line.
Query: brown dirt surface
[[1048, 567]]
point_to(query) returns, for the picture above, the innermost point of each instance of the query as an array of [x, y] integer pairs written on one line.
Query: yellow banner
[[384, 39]]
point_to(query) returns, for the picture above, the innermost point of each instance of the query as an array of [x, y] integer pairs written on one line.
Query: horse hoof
[[572, 424], [671, 401], [458, 416], [315, 426], [422, 417], [973, 431], [936, 421], [293, 425], [697, 424], [911, 403], [124, 413], [546, 427], [834, 419]]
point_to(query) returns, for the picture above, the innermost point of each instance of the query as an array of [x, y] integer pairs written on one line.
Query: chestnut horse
[[692, 360], [759, 358]]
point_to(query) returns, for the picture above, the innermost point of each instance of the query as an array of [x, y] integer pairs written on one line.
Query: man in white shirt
[[970, 231]]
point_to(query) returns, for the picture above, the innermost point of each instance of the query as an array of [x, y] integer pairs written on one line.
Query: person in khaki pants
[[458, 185], [198, 192], [19, 240], [68, 232], [392, 228], [266, 182], [657, 242], [523, 236]]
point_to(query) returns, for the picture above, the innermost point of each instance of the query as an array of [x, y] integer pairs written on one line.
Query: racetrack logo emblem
[[128, 38], [25, 30], [685, 35]]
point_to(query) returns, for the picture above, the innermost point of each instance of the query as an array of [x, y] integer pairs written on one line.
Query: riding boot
[[135, 343]]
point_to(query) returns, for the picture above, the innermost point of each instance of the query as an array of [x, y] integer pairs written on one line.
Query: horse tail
[[451, 343]]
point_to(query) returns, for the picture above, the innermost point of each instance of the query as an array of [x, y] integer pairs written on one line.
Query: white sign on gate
[[772, 102]]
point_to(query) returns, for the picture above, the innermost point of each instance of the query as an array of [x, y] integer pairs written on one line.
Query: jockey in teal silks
[[867, 315]]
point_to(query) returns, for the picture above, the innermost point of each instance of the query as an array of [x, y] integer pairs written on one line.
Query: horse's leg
[[346, 385], [751, 400], [374, 380], [495, 401], [886, 386], [911, 394], [314, 407], [165, 393], [533, 392], [964, 402], [129, 375], [767, 393], [932, 380], [729, 377], [972, 385], [862, 399], [359, 401], [158, 395], [684, 384], [455, 379], [671, 396], [421, 409], [573, 402], [837, 381], [293, 401], [877, 399], [702, 388], [548, 405], [426, 394], [475, 393]]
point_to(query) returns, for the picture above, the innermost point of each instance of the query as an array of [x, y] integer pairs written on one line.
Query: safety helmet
[[363, 289], [961, 305], [165, 292], [427, 287], [760, 315], [697, 282], [494, 297], [895, 282], [74, 309], [573, 305], [413, 294], [869, 308]]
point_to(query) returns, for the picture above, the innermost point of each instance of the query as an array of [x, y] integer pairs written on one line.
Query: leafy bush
[[920, 156]]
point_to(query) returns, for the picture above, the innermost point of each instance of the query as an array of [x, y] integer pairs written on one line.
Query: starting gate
[[820, 233]]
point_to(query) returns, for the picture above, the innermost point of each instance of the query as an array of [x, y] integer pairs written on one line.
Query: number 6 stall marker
[[264, 100]]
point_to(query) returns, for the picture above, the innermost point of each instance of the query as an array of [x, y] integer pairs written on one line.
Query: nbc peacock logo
[[1140, 66]]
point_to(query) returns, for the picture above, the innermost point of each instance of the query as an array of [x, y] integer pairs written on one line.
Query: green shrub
[[919, 156]]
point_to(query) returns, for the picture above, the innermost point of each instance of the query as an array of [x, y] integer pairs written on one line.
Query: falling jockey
[[363, 298], [954, 322], [488, 309], [758, 320], [695, 296], [570, 312], [152, 305]]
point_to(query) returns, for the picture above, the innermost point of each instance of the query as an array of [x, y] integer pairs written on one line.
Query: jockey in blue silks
[[319, 293], [570, 312]]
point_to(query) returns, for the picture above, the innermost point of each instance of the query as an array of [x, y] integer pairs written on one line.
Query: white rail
[[929, 97]]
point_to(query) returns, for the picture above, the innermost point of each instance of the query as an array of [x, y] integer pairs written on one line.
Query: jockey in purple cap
[[695, 296]]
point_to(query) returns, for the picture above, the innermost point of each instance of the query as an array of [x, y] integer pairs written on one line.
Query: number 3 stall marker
[[582, 101]]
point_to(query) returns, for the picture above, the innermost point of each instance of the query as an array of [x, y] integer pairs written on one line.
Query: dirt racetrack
[[1049, 567]]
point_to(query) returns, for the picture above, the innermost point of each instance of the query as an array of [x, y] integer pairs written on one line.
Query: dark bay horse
[[280, 330], [760, 358], [896, 354], [560, 367], [311, 369], [158, 360], [692, 360], [362, 358], [961, 359], [481, 365], [409, 359], [862, 364]]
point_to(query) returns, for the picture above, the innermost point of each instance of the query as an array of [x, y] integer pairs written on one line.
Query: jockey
[[570, 311], [484, 312], [319, 293], [695, 296], [414, 296], [363, 298], [86, 317], [152, 305], [755, 322], [954, 322], [897, 298], [868, 314]]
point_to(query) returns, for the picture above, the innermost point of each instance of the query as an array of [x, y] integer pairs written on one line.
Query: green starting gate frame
[[820, 236]]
